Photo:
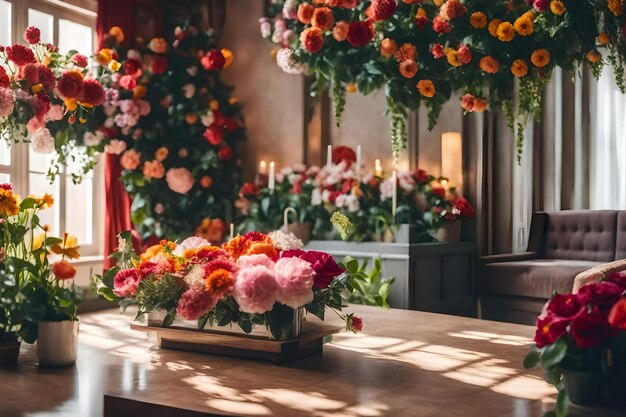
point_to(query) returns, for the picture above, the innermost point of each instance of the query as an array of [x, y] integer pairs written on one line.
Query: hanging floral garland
[[421, 51]]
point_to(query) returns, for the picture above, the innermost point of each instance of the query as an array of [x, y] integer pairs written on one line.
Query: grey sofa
[[514, 287]]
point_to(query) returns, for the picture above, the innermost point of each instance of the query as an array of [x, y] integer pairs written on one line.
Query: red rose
[[63, 270], [333, 196], [214, 134], [20, 55], [80, 60], [437, 50], [312, 39], [227, 123], [249, 189], [602, 294], [132, 67], [32, 35], [382, 9], [46, 77], [128, 82], [440, 25], [617, 315], [421, 22], [324, 265], [589, 328], [464, 207], [549, 329], [158, 64], [93, 93], [439, 192], [618, 278], [465, 55], [421, 177], [225, 153], [564, 305], [344, 153], [4, 78], [360, 33], [213, 60]]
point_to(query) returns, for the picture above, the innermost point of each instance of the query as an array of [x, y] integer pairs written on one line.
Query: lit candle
[[452, 160], [394, 195], [232, 231], [329, 156], [358, 162], [378, 170], [272, 181], [262, 167]]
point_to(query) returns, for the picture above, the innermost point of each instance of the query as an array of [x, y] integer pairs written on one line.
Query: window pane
[[5, 23], [5, 179], [39, 162], [79, 210], [5, 153], [44, 22], [73, 35], [40, 185]]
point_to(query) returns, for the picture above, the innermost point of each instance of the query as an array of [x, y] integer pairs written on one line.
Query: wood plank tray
[[253, 346]]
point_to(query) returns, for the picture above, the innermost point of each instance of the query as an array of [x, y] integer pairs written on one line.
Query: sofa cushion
[[620, 247], [535, 278], [581, 235]]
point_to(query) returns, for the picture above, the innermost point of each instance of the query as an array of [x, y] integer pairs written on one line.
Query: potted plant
[[10, 315], [581, 343]]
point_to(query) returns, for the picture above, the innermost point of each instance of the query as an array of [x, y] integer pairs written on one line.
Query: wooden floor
[[405, 363]]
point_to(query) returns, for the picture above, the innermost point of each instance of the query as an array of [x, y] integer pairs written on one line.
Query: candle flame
[[262, 164], [272, 164]]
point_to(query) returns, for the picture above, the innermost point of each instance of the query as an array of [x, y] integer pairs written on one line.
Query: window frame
[[19, 170]]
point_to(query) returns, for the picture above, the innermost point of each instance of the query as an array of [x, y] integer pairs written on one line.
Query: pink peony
[[295, 279], [256, 289], [115, 146], [248, 261], [130, 159], [465, 55], [195, 304], [34, 124], [153, 169], [55, 113], [126, 282], [42, 141], [324, 265], [180, 180], [7, 102]]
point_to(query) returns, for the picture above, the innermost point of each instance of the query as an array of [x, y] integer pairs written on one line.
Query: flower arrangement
[[33, 289], [254, 279], [423, 50], [175, 126], [316, 193], [47, 99], [583, 332]]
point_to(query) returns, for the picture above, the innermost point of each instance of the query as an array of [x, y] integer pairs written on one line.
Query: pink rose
[[465, 55], [130, 159], [256, 289], [180, 180], [324, 265], [195, 304], [7, 102], [295, 279], [126, 282]]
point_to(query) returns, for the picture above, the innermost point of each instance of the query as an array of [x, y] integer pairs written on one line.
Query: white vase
[[450, 232], [57, 342]]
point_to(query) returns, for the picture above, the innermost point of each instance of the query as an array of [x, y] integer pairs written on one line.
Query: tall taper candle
[[378, 169], [232, 231], [394, 195], [358, 162], [329, 156], [272, 180], [262, 167]]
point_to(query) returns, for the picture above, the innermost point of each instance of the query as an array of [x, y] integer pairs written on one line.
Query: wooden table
[[405, 363]]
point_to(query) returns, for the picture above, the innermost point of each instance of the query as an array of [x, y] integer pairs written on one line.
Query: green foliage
[[159, 294], [369, 288]]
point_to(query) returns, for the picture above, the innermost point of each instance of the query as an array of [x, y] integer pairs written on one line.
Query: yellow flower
[[557, 7], [229, 57], [351, 88], [48, 200], [453, 58], [478, 20], [9, 205], [68, 248], [493, 27], [540, 58], [161, 154], [616, 6], [426, 88], [603, 38], [104, 56], [46, 60], [71, 104], [214, 104], [593, 56], [519, 68], [114, 65], [530, 14], [36, 88], [38, 241], [524, 26], [506, 32]]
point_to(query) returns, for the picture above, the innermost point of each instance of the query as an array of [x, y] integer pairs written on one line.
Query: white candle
[[358, 162], [378, 170], [394, 195], [262, 167], [329, 156], [272, 181], [232, 231], [452, 160]]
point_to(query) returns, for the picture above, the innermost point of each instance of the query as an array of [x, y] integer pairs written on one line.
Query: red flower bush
[[213, 60], [70, 84], [20, 55], [360, 33], [32, 35]]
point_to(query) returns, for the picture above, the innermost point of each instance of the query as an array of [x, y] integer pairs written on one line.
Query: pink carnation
[[295, 279], [465, 55], [80, 60], [126, 282], [179, 180], [440, 25], [452, 9], [256, 289], [55, 113], [7, 102], [195, 304], [248, 261], [32, 35], [34, 124], [130, 159]]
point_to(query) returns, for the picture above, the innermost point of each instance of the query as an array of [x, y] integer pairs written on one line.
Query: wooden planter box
[[435, 277]]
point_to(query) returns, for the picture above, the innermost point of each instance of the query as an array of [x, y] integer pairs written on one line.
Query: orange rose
[[104, 56], [603, 38], [340, 31], [305, 13], [191, 118], [153, 169], [351, 88], [139, 92], [480, 105], [161, 154], [540, 58], [158, 45], [408, 68], [323, 19], [426, 88], [388, 47], [117, 33], [489, 64], [593, 56]]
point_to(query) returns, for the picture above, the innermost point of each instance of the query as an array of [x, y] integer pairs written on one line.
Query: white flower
[[91, 139], [316, 197], [285, 241], [207, 119], [189, 90], [285, 61], [326, 196], [42, 141], [115, 146], [266, 29], [386, 189], [193, 242], [277, 36], [349, 201], [193, 71], [134, 54], [195, 278]]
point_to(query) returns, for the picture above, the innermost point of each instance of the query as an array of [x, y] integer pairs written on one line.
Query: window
[[77, 209]]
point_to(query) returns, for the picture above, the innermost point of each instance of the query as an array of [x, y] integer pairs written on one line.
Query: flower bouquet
[[581, 343], [47, 98], [254, 279]]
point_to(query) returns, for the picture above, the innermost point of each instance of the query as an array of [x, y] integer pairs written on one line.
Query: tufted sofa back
[[620, 247], [583, 235]]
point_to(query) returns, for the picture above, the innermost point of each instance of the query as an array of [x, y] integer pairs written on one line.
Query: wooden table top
[[405, 363]]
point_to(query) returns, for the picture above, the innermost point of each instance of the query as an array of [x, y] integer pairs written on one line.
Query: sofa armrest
[[509, 257], [598, 273]]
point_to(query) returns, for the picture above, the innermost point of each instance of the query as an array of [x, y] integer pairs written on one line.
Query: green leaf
[[562, 404], [50, 241], [531, 359], [316, 309], [28, 331], [553, 354], [169, 318]]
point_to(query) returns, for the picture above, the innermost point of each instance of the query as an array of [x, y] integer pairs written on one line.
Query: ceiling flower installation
[[421, 51]]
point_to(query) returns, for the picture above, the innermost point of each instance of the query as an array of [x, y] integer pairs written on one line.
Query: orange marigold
[[219, 282], [593, 56], [603, 38], [540, 57], [453, 58], [426, 88], [480, 105], [493, 27], [557, 7], [506, 32], [519, 68], [323, 19], [262, 248], [406, 52], [312, 39], [523, 26], [478, 20], [305, 13], [489, 64], [388, 47], [237, 247], [408, 68]]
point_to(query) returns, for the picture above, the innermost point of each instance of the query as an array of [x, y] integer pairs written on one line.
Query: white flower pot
[[57, 342]]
